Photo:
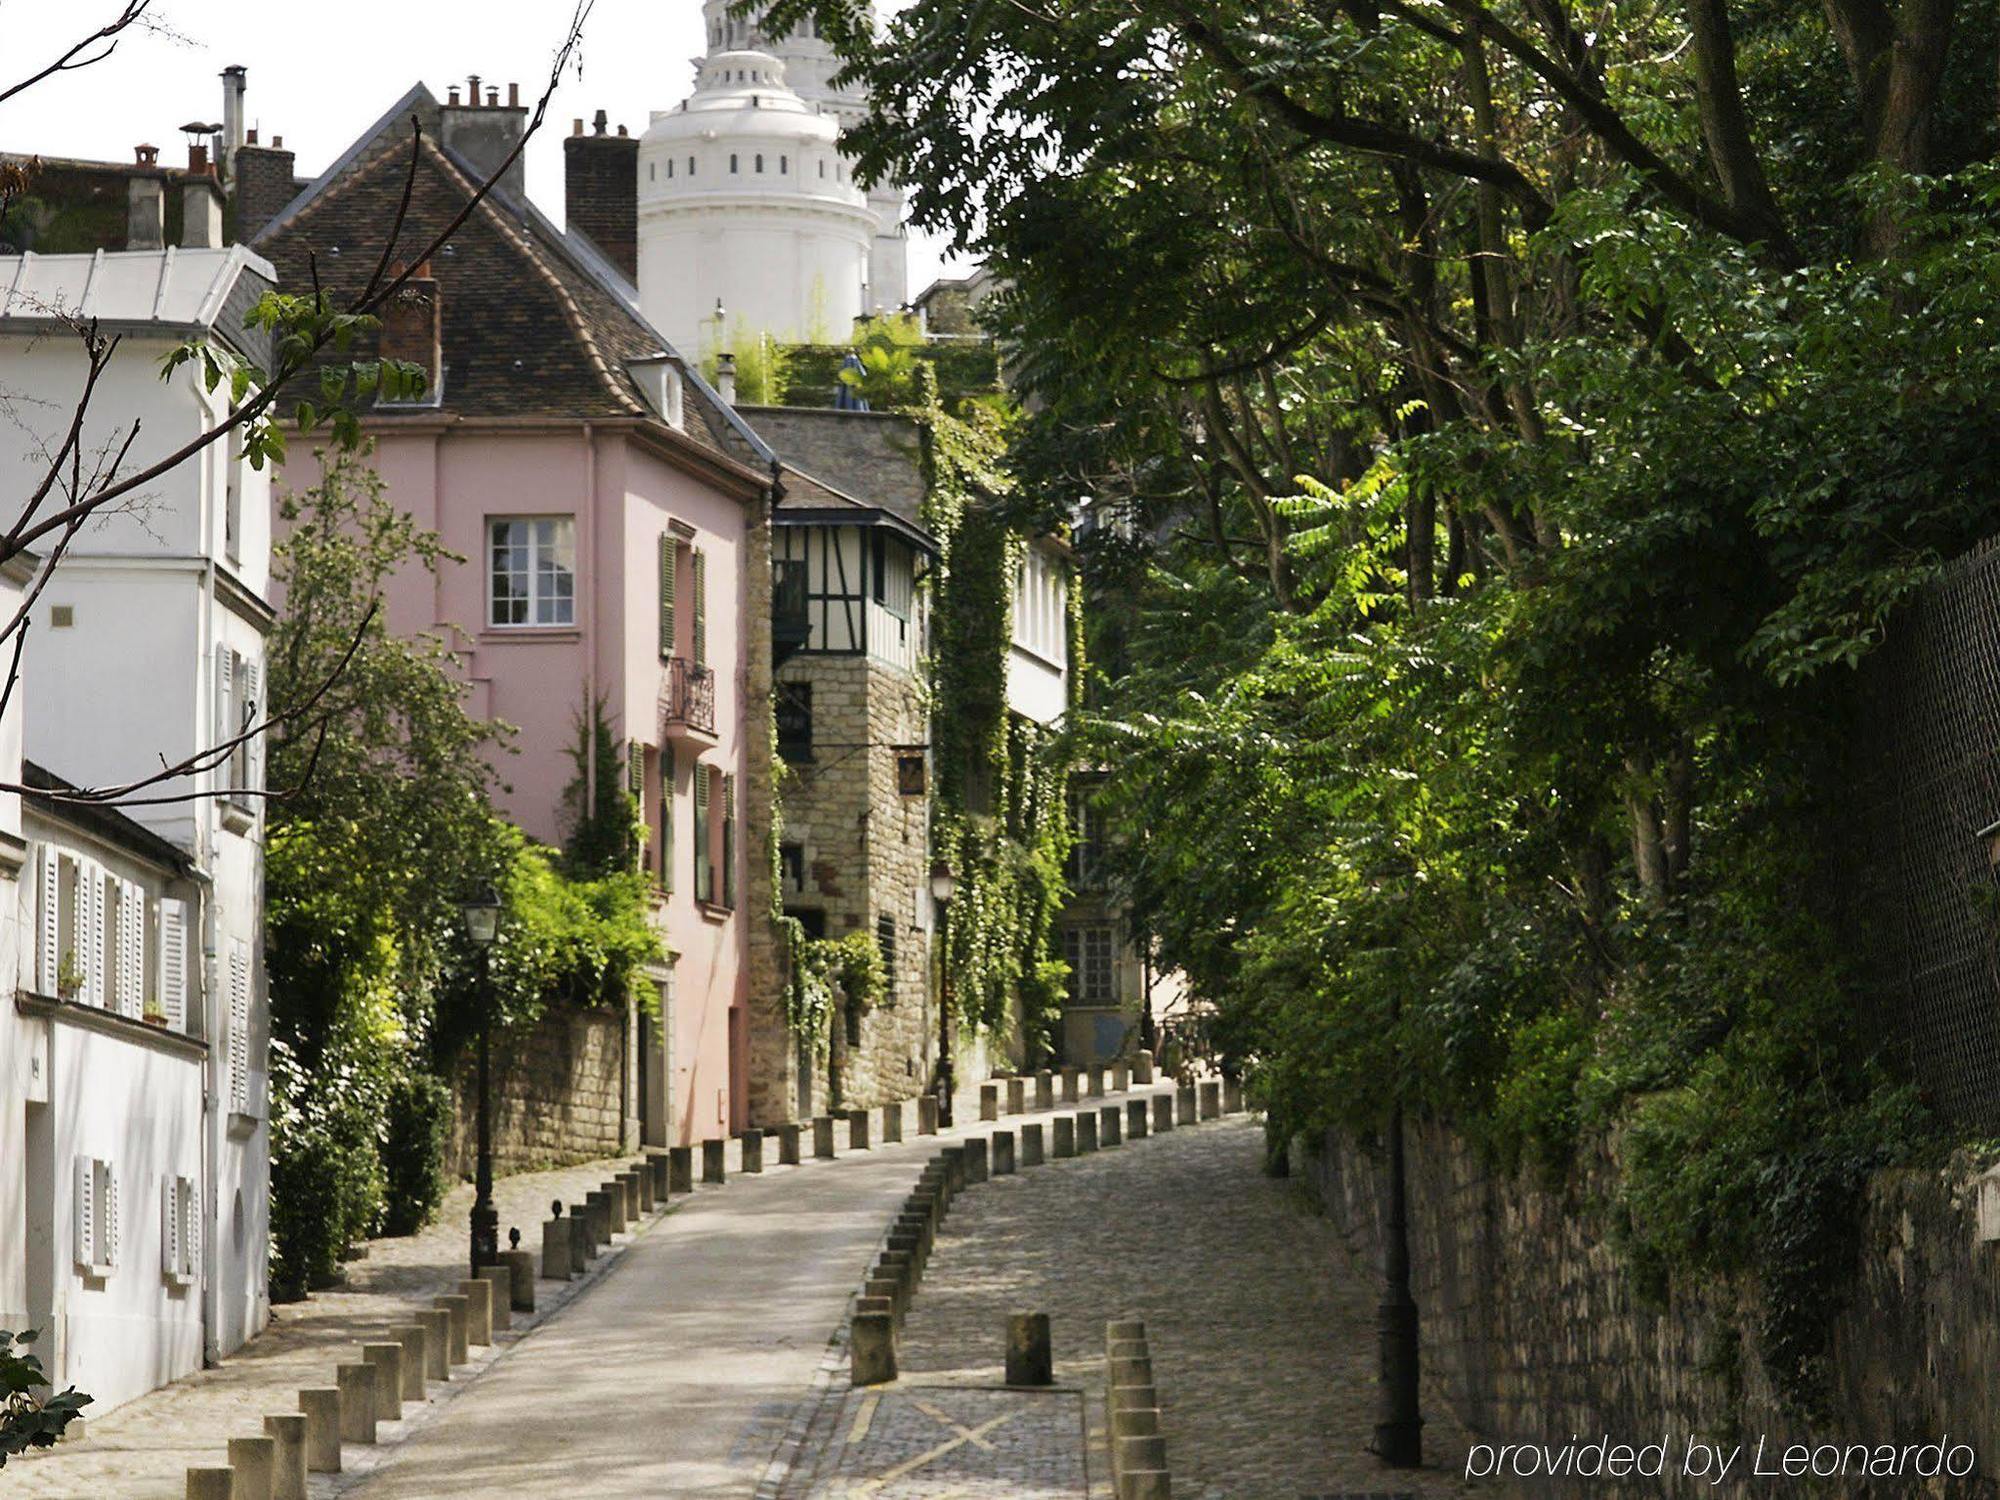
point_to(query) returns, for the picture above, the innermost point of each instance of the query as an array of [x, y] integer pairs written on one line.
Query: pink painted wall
[[538, 678]]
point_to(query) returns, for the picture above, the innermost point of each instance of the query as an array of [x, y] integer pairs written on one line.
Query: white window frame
[[560, 609]]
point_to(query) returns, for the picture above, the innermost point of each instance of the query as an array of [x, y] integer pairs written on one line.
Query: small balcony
[[687, 702]]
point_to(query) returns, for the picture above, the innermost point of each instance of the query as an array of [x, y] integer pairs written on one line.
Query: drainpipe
[[209, 925], [586, 551]]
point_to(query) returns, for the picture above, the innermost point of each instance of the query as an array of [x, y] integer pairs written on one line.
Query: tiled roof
[[535, 324]]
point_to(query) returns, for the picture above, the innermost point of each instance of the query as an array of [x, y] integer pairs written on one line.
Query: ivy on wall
[[999, 812]]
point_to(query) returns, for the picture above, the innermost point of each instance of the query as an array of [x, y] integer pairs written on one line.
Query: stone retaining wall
[[1533, 1329], [561, 1094]]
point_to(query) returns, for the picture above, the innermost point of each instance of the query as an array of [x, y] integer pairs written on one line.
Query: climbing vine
[[999, 812]]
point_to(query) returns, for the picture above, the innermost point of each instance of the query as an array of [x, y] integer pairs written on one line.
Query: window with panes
[[531, 568]]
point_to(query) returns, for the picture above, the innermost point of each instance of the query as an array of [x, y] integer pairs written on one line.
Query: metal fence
[[1928, 786]]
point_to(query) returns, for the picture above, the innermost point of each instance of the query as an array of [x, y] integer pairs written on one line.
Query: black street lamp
[[944, 885], [481, 911]]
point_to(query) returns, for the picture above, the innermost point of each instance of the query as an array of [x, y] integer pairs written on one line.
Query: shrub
[[416, 1128]]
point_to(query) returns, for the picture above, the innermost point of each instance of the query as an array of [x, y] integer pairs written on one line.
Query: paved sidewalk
[[1261, 1328], [141, 1450]]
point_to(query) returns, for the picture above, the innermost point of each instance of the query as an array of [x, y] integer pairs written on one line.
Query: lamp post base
[[485, 1236]]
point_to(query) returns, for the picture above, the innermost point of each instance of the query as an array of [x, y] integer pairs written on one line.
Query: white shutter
[[225, 720], [49, 958], [191, 1229], [173, 963], [83, 1211], [253, 758], [107, 1188], [170, 1227], [239, 1027], [92, 905], [132, 948]]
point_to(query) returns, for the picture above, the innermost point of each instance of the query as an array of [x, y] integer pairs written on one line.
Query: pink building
[[611, 511]]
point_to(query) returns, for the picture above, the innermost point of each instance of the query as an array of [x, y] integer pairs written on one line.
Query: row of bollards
[[1132, 1414]]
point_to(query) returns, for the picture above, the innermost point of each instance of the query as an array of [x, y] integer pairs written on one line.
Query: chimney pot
[[197, 159], [493, 98], [250, 136], [725, 378], [146, 155], [277, 143], [513, 96], [453, 97], [576, 128], [621, 130], [599, 123]]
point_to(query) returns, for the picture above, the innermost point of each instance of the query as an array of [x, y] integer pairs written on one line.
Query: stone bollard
[[1065, 1137], [1163, 1113], [892, 1122], [458, 1325], [1135, 1119], [788, 1144], [927, 1111], [1135, 1421], [661, 1166], [642, 1175], [975, 1159], [1144, 1484], [411, 1336], [1029, 1358], [911, 1242], [884, 1305], [680, 1169], [1031, 1145], [955, 1176], [1086, 1131], [1142, 1067], [1045, 1090], [386, 1360], [254, 1461], [521, 1279], [1121, 1077], [556, 1252], [287, 1432], [1120, 1329], [597, 1222], [822, 1137], [1097, 1076], [1017, 1096], [618, 1191], [500, 1304], [1211, 1099], [1069, 1078], [1184, 1105], [1108, 1130], [478, 1295], [356, 1384], [1003, 1153], [612, 1194], [211, 1484], [900, 1267], [1130, 1369], [711, 1161], [1232, 1095], [320, 1406], [753, 1151], [989, 1101], [437, 1342], [872, 1349], [1141, 1454], [857, 1130]]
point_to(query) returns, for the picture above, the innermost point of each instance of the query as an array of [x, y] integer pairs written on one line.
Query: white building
[[750, 221], [146, 645]]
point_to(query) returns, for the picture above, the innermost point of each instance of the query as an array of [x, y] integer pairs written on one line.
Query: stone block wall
[[562, 1092], [1533, 1330]]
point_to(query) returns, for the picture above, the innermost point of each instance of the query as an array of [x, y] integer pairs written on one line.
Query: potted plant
[[69, 976]]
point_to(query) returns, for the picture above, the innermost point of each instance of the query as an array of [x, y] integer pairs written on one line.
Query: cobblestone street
[[1262, 1329]]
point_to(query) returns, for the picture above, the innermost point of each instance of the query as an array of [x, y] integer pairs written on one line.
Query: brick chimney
[[413, 328], [146, 201], [482, 130], [601, 192], [264, 183], [201, 203]]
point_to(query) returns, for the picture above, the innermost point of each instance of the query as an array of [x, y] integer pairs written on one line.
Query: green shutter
[[667, 758], [635, 769], [729, 841], [704, 889], [670, 552], [700, 560]]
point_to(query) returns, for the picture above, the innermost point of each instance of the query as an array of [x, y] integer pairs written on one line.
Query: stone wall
[[562, 1093], [1533, 1329]]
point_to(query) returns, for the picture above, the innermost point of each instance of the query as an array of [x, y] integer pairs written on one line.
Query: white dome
[[742, 95]]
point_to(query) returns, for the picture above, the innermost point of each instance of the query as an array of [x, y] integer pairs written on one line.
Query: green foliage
[[26, 1419], [416, 1129], [763, 364], [964, 368], [850, 967], [606, 832]]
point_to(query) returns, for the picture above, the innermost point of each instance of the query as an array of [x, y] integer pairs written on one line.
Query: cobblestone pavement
[[916, 1443], [1262, 1329], [141, 1450]]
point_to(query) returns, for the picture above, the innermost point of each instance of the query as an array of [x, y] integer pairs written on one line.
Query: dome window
[[822, 169], [732, 161], [760, 161], [784, 166], [690, 166]]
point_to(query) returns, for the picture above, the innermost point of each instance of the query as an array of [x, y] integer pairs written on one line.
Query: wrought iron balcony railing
[[687, 699]]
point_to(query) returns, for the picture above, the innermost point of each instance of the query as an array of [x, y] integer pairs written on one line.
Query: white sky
[[320, 74]]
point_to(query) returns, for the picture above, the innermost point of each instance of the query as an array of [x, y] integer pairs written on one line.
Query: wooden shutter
[[225, 689], [635, 770], [173, 963], [668, 759], [704, 889], [253, 707], [107, 1209], [239, 1027], [670, 556], [700, 560], [729, 841], [172, 1252], [83, 1210], [132, 940], [49, 957], [191, 1228], [91, 913]]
